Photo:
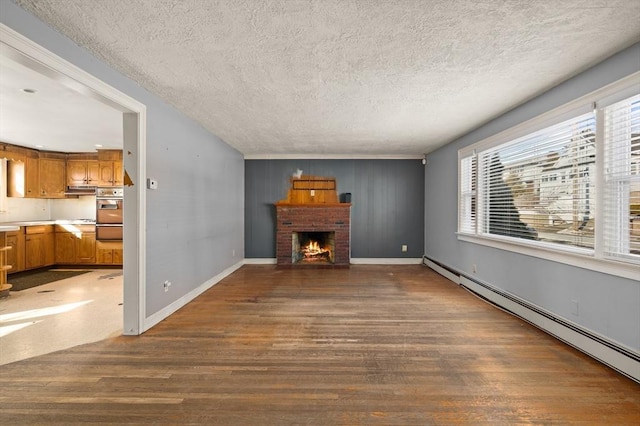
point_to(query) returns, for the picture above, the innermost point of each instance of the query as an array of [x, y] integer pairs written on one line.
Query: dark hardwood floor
[[387, 345]]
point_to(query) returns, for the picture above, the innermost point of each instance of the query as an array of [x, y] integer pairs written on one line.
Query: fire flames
[[313, 249]]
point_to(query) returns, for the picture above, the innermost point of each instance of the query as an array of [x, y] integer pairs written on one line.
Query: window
[[545, 210], [468, 195], [622, 179], [566, 182]]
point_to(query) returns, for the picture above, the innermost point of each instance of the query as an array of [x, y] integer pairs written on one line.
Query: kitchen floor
[[62, 314]]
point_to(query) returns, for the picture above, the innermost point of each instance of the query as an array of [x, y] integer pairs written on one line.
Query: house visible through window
[[542, 188]]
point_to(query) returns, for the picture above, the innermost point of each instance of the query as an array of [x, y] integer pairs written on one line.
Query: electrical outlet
[[575, 308], [167, 284], [233, 253], [474, 268], [404, 248]]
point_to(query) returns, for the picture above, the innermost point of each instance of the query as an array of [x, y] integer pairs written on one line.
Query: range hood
[[80, 190]]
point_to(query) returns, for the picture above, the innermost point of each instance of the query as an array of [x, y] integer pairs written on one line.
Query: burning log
[[314, 251]]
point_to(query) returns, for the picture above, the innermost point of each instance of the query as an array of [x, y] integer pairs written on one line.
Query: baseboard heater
[[615, 356]]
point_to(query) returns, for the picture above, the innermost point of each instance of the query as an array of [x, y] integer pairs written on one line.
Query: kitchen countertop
[[15, 225]]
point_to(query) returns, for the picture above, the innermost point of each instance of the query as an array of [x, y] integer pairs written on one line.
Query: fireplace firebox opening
[[313, 247]]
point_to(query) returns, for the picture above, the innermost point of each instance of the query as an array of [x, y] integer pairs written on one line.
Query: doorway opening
[[37, 58]]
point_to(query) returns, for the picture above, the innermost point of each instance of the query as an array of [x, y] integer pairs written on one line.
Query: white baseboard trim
[[442, 271], [617, 356], [353, 261], [385, 261], [173, 307], [260, 261]]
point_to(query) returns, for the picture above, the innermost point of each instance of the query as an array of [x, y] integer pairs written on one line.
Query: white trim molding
[[385, 261], [353, 261], [441, 270], [260, 261], [331, 157]]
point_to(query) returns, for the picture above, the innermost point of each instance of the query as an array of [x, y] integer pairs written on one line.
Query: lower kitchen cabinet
[[86, 248], [65, 247], [75, 245], [15, 256], [109, 252], [39, 246]]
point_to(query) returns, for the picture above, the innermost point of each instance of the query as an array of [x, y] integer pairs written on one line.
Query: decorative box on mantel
[[313, 228]]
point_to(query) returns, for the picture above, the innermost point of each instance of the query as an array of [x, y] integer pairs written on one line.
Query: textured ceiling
[[340, 77]]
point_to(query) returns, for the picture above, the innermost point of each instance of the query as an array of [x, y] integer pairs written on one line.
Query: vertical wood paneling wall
[[387, 199]]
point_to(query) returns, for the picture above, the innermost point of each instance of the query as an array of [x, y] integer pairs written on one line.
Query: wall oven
[[109, 204]]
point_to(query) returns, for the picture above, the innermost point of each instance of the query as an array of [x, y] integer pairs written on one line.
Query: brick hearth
[[334, 217]]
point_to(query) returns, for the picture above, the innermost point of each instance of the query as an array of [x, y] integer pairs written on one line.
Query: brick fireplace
[[312, 212], [312, 218]]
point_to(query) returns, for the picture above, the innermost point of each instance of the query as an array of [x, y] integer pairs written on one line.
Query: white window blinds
[[541, 186], [467, 201], [621, 211]]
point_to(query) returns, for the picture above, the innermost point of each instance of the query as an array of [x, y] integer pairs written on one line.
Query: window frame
[[592, 259]]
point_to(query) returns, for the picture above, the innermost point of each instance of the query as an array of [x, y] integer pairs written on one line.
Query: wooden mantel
[[308, 189]]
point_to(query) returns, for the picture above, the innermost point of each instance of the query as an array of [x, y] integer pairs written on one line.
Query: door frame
[[21, 49]]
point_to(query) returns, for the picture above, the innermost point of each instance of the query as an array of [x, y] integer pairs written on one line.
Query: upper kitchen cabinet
[[82, 170], [110, 168], [22, 170], [16, 171], [118, 173], [32, 177], [52, 175], [34, 174]]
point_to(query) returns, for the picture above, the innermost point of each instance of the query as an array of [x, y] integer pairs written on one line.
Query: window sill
[[574, 257]]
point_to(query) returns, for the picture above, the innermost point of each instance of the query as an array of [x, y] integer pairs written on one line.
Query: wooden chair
[[4, 268]]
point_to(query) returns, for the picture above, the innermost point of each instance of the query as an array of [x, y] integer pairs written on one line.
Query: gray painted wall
[[195, 217], [387, 203], [609, 305]]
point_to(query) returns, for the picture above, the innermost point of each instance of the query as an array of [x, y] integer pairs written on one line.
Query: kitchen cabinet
[[75, 244], [16, 178], [15, 256], [109, 252], [35, 174], [110, 164], [110, 173], [52, 177], [83, 172], [16, 169], [65, 247], [86, 248], [39, 246], [118, 173], [32, 177], [49, 247]]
